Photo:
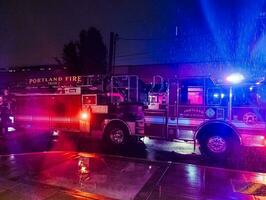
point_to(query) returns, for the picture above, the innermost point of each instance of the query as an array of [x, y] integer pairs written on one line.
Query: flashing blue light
[[222, 95], [260, 81], [215, 95], [235, 78]]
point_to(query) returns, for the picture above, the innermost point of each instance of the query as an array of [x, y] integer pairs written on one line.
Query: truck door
[[191, 107]]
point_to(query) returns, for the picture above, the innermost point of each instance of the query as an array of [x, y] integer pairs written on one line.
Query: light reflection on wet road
[[71, 175], [153, 150]]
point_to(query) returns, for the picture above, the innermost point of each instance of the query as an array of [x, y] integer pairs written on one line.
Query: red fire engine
[[219, 117]]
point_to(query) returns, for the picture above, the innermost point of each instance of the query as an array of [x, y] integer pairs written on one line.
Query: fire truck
[[219, 117]]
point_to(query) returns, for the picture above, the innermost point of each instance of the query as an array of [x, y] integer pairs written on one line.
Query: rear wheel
[[117, 134]]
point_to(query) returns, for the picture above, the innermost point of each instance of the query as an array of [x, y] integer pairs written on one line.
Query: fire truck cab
[[219, 117]]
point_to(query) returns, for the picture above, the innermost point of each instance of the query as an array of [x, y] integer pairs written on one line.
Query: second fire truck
[[218, 117]]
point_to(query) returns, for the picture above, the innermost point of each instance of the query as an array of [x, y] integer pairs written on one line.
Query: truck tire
[[116, 134], [218, 146]]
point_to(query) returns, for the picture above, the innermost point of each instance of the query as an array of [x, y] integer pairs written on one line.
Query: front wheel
[[218, 146]]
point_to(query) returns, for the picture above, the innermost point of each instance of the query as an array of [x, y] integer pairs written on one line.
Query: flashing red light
[[84, 115]]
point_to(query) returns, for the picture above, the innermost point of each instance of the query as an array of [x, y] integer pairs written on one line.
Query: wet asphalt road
[[248, 159]]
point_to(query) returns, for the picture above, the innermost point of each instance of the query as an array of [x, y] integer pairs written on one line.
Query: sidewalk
[[71, 175]]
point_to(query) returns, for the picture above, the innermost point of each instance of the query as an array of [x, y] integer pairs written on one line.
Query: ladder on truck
[[127, 86]]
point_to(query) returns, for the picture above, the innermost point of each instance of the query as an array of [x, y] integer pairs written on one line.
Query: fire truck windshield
[[245, 96]]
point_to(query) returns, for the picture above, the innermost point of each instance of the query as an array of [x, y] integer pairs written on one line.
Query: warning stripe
[[45, 118], [257, 189], [242, 125], [251, 188], [181, 121]]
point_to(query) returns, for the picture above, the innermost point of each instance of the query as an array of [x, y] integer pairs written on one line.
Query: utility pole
[[112, 52]]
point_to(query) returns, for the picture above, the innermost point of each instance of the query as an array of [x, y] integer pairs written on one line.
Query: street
[[76, 176], [155, 150]]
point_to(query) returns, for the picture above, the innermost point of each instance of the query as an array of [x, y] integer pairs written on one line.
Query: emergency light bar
[[235, 78]]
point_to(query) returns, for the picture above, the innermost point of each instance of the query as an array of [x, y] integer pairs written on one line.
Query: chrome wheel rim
[[217, 144], [117, 136]]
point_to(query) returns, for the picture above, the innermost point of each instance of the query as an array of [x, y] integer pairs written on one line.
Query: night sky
[[33, 32]]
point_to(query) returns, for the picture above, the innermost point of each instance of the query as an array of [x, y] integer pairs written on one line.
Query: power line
[[166, 38], [133, 54], [146, 39]]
